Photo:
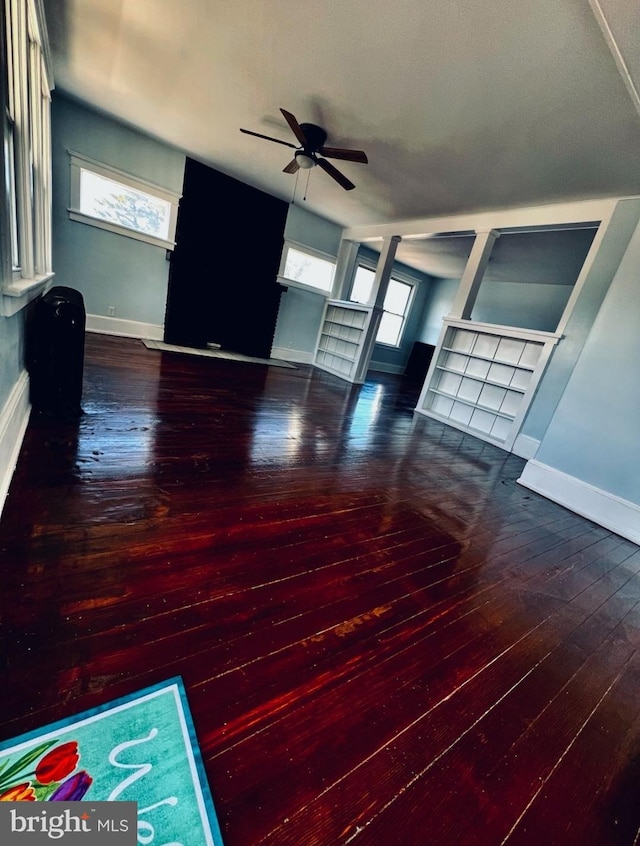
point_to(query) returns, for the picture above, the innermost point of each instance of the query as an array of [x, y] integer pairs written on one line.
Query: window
[[110, 199], [309, 268], [26, 175], [362, 285], [395, 307]]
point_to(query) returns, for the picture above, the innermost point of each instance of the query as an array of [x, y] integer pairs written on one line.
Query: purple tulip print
[[73, 789]]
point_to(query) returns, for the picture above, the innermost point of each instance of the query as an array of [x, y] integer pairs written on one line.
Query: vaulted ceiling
[[459, 105]]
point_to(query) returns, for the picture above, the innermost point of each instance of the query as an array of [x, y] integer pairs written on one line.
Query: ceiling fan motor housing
[[315, 137]]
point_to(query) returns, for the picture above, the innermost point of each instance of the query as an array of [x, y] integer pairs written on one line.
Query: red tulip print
[[58, 763]]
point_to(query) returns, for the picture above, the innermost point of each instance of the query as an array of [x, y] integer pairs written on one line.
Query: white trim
[[297, 356], [123, 328], [117, 175], [619, 59], [385, 367], [498, 329], [585, 211], [79, 217], [293, 283], [19, 293], [525, 446], [619, 515], [305, 248], [14, 417], [343, 376]]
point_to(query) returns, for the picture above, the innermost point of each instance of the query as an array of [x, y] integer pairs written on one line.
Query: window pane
[[114, 202], [10, 185], [397, 297], [362, 285], [389, 329], [308, 269]]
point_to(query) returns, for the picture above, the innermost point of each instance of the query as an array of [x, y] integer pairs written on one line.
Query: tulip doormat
[[141, 748]]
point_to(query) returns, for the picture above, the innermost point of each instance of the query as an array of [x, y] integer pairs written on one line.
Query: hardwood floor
[[384, 639]]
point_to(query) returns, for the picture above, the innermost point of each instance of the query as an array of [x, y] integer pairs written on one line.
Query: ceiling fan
[[311, 148]]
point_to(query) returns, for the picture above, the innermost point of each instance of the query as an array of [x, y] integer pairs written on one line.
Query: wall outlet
[[111, 311]]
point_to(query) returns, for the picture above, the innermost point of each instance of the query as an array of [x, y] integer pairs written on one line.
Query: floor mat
[[230, 356]]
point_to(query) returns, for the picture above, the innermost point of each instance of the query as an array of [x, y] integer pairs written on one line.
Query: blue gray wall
[[12, 361], [442, 293], [525, 305], [301, 310], [107, 268], [593, 435]]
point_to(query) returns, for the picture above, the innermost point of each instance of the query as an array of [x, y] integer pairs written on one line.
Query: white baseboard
[[295, 356], [606, 509], [14, 417], [124, 328], [525, 447]]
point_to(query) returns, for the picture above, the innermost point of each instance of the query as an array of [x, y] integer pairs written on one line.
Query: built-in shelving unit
[[342, 337], [483, 377]]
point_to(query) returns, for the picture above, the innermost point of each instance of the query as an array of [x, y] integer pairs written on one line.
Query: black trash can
[[57, 353]]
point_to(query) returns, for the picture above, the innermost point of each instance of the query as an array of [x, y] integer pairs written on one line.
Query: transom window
[[110, 199], [395, 307], [307, 268]]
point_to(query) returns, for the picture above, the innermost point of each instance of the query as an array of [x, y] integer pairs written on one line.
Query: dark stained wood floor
[[384, 639]]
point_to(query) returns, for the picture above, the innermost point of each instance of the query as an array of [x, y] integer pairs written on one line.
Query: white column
[[379, 292], [383, 270], [473, 273], [345, 268]]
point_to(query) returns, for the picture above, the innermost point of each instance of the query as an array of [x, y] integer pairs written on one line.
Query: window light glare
[[113, 202], [309, 270]]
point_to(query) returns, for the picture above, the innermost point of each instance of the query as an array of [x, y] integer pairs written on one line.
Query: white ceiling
[[460, 105]]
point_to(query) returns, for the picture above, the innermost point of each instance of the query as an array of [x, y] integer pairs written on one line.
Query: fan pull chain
[[295, 188], [306, 187]]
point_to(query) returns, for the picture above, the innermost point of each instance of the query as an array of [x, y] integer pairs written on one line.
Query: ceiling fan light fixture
[[305, 161]]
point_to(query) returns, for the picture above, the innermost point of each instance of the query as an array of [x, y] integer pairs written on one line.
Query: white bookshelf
[[482, 378], [342, 338]]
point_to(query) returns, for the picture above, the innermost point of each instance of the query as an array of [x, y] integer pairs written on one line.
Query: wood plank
[[383, 637]]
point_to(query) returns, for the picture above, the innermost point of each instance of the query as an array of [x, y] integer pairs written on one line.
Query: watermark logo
[[37, 823]]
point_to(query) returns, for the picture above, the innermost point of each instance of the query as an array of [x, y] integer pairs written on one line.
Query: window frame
[[79, 162], [397, 276], [26, 155], [314, 253]]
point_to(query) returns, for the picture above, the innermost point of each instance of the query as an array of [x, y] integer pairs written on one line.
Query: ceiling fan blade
[[292, 167], [268, 138], [345, 155], [295, 127], [334, 173]]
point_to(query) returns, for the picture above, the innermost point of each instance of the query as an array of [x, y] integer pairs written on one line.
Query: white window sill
[[80, 217], [20, 292], [292, 283]]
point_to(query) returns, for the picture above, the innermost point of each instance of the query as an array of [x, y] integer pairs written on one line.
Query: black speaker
[[57, 353]]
